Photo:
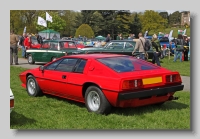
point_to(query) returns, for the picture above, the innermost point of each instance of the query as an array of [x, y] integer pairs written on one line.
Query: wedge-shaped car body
[[11, 101], [51, 50], [124, 47], [103, 80]]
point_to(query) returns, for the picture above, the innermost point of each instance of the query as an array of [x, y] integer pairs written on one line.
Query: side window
[[67, 65], [72, 45], [53, 65], [116, 45], [129, 46], [46, 45], [80, 66], [54, 45]]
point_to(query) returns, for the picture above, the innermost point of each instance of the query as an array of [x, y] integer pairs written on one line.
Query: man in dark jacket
[[39, 39], [21, 43], [108, 38]]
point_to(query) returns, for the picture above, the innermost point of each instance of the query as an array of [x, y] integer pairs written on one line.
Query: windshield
[[126, 64]]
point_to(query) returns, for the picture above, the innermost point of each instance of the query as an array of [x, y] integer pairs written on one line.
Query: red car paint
[[109, 81]]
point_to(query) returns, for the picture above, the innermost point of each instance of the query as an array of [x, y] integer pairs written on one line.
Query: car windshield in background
[[126, 64], [34, 40]]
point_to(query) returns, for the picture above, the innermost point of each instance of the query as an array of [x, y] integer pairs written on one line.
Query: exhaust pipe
[[173, 98]]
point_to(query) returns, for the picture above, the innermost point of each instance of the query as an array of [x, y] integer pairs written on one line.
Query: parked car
[[11, 101], [103, 81], [125, 47], [88, 43], [51, 50], [164, 42]]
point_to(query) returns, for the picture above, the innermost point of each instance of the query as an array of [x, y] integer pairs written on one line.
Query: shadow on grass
[[17, 119], [170, 105], [72, 102]]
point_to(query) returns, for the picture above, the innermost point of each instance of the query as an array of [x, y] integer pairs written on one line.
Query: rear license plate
[[152, 80]]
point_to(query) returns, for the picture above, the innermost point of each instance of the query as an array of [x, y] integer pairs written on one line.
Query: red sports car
[[103, 80]]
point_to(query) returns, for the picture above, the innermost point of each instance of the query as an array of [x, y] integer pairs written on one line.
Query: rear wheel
[[95, 101], [32, 86], [30, 59]]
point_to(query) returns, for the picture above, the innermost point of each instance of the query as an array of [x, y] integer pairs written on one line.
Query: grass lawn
[[182, 67], [175, 31], [49, 112]]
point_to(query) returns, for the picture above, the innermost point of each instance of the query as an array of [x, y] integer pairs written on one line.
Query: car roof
[[94, 56], [123, 40]]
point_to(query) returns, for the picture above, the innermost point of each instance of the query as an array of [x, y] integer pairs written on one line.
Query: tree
[[58, 23], [21, 18], [96, 21], [175, 18], [136, 26], [69, 16], [85, 30], [165, 16], [124, 22], [152, 21]]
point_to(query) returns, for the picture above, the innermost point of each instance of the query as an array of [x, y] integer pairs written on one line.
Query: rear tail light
[[173, 78], [11, 103], [132, 84]]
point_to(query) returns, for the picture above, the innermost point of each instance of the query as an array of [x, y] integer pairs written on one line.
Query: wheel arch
[[86, 85]]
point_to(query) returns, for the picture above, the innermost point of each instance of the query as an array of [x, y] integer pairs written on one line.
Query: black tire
[[32, 86], [95, 101], [30, 59]]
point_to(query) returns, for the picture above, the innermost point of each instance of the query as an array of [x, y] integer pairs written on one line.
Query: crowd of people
[[24, 42], [181, 49]]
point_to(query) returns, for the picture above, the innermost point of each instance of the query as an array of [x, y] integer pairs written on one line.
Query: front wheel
[[95, 101], [30, 59], [32, 86]]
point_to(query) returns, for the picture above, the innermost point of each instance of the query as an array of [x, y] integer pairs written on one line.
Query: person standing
[[118, 36], [39, 39], [186, 49], [156, 50], [13, 48], [21, 43], [140, 45], [108, 38], [179, 47], [27, 43]]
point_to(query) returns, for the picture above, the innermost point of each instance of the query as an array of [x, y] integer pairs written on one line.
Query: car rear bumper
[[148, 93]]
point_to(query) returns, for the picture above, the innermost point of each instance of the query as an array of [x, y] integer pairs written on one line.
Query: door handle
[[64, 76]]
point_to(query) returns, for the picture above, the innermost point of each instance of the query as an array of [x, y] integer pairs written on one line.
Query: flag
[[145, 34], [24, 29], [42, 22], [48, 17], [184, 32], [180, 32]]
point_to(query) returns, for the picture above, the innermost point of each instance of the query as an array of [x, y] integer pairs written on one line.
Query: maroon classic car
[[103, 81]]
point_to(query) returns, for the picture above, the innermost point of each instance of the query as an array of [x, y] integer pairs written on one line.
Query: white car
[[11, 101]]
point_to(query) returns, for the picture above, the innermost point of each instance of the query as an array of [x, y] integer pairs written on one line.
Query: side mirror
[[41, 68]]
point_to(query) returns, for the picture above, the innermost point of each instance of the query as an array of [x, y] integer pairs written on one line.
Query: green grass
[[48, 112], [182, 67], [175, 31]]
